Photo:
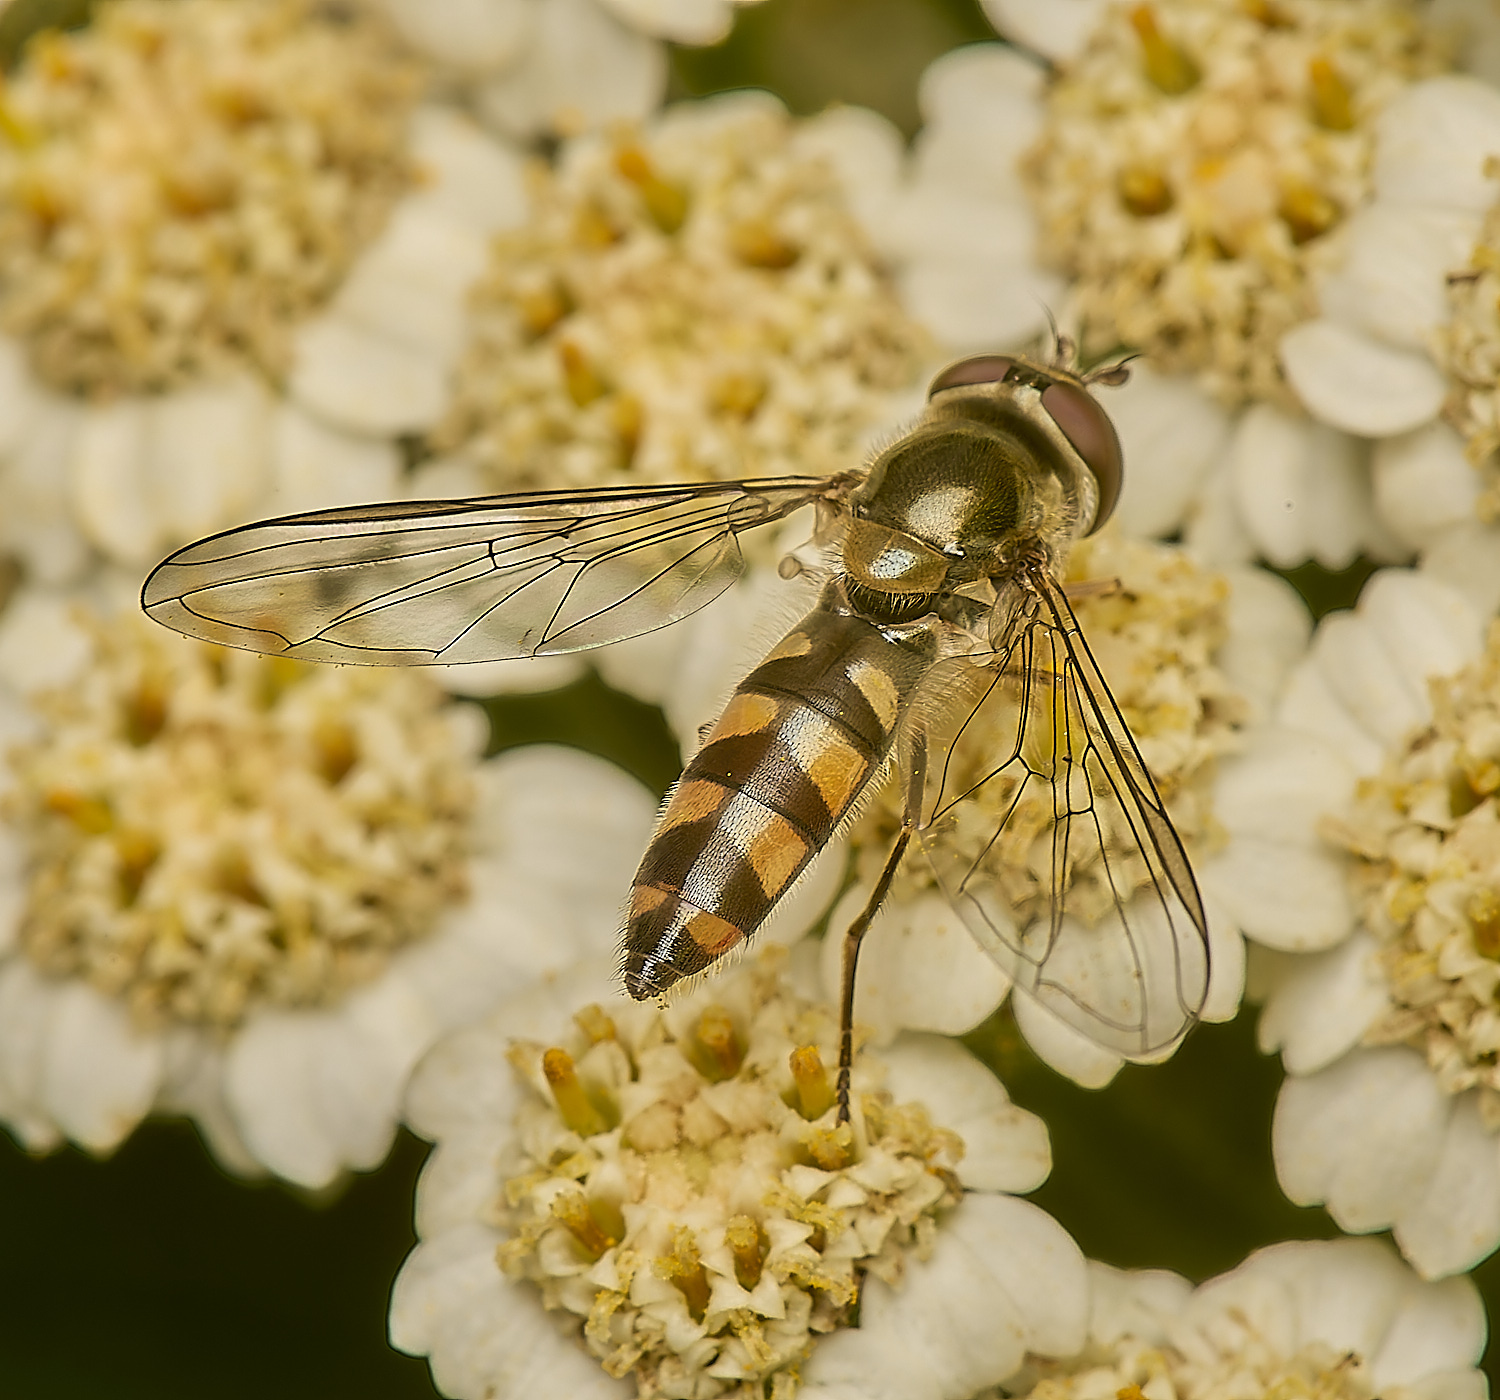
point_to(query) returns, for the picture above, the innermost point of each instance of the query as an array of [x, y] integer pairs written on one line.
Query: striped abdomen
[[797, 743]]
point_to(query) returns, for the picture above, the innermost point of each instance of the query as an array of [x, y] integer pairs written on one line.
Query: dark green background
[[151, 1276]]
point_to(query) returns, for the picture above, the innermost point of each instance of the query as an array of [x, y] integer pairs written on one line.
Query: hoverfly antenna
[[1064, 347], [1112, 375]]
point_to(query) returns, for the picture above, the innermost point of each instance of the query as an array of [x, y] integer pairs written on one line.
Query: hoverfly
[[940, 613]]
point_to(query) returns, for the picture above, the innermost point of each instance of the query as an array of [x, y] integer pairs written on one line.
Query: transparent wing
[[423, 582], [1048, 837]]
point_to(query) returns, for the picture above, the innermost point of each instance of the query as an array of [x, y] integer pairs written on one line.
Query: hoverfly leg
[[851, 956], [911, 820]]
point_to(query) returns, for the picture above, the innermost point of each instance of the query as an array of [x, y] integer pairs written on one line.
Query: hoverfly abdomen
[[799, 740]]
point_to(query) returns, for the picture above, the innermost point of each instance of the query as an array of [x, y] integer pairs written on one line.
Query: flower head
[[256, 891], [675, 1185], [1304, 1320], [1196, 162], [185, 181], [209, 831], [694, 300]]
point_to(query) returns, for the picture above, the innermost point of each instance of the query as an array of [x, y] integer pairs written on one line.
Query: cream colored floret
[[183, 180], [208, 830], [691, 301], [706, 1232], [1426, 837], [1194, 220]]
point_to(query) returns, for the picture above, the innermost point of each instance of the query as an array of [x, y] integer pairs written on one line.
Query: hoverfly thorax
[[1011, 460]]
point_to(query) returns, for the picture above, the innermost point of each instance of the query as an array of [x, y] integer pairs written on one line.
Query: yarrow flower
[[1406, 349], [1325, 1319], [1366, 815], [664, 1197], [558, 67], [227, 229], [1194, 161], [692, 301], [1192, 168], [255, 890]]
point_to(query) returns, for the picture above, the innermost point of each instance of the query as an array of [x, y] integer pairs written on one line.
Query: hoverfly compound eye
[[977, 369], [1086, 425]]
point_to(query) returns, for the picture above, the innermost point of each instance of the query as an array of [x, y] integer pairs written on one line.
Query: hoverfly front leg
[[911, 819]]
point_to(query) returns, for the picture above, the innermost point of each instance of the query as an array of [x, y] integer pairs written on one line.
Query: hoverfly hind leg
[[911, 821]]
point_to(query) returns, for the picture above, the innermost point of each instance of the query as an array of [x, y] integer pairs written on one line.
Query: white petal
[[1068, 1051], [1432, 143], [1215, 533], [1425, 626], [1270, 457], [1024, 1247], [208, 450], [382, 1028], [1059, 29], [976, 304], [271, 1083], [37, 525], [865, 150], [1386, 697], [1438, 1327], [681, 21], [316, 467], [410, 285], [193, 1084], [1310, 704], [1467, 559], [1424, 484], [107, 476], [1269, 628], [1360, 384], [1003, 1278], [1135, 1303], [1287, 897], [1226, 966], [1456, 1222], [525, 675], [1005, 1147], [583, 69], [461, 1177], [918, 967], [18, 395], [1172, 433], [27, 1003], [1324, 1004], [366, 382], [468, 175], [569, 822], [13, 893], [990, 238], [983, 111], [488, 1337], [42, 643], [464, 1085], [1393, 284], [1280, 786], [99, 1074], [1364, 1136], [474, 36]]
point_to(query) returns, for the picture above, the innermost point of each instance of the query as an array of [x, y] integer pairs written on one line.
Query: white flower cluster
[[695, 300], [182, 182], [209, 831], [1195, 162]]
